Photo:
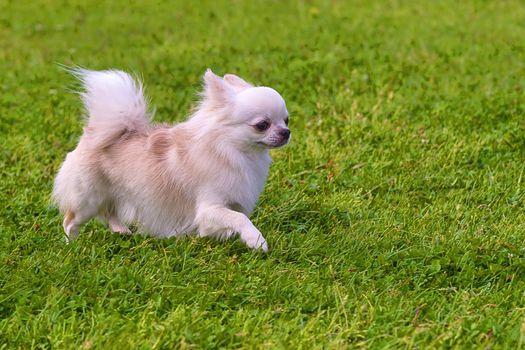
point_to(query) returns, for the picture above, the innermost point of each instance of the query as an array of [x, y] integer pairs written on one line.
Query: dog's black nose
[[285, 133]]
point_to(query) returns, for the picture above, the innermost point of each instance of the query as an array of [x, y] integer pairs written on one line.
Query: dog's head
[[252, 116]]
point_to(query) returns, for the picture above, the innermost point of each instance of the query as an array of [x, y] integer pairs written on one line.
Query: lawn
[[395, 217]]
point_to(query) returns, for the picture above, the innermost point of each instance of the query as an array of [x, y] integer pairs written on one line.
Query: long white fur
[[203, 175], [113, 101]]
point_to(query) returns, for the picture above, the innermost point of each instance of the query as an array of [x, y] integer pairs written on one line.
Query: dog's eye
[[262, 126], [286, 121]]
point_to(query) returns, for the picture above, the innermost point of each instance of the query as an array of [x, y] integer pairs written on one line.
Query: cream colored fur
[[203, 175]]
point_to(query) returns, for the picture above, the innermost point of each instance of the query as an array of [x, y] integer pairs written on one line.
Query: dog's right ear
[[237, 83], [216, 92]]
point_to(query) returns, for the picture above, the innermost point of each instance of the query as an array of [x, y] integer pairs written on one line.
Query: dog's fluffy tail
[[114, 102]]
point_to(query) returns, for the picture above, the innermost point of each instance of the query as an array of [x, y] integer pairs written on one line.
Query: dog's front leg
[[222, 222]]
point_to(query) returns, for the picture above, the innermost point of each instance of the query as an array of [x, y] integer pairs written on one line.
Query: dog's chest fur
[[250, 179], [163, 187]]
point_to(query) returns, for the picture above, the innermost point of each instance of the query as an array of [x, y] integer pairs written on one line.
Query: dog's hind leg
[[109, 215], [69, 227], [116, 226], [73, 220]]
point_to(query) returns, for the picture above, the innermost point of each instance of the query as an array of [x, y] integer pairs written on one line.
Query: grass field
[[395, 217]]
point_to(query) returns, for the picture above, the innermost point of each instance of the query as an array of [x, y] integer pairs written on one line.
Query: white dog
[[202, 175]]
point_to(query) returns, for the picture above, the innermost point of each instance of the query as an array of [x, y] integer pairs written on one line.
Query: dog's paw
[[256, 241], [117, 227], [264, 246]]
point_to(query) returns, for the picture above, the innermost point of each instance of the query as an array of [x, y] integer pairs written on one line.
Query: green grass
[[395, 217]]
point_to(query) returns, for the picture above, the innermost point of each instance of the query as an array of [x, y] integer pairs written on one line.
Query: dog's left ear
[[237, 83], [216, 92]]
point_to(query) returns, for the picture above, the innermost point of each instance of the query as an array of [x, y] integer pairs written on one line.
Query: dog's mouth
[[270, 145]]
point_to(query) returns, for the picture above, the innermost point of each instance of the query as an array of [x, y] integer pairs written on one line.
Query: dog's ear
[[216, 92], [237, 83]]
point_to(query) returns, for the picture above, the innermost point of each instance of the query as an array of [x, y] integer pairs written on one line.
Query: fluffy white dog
[[203, 175]]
